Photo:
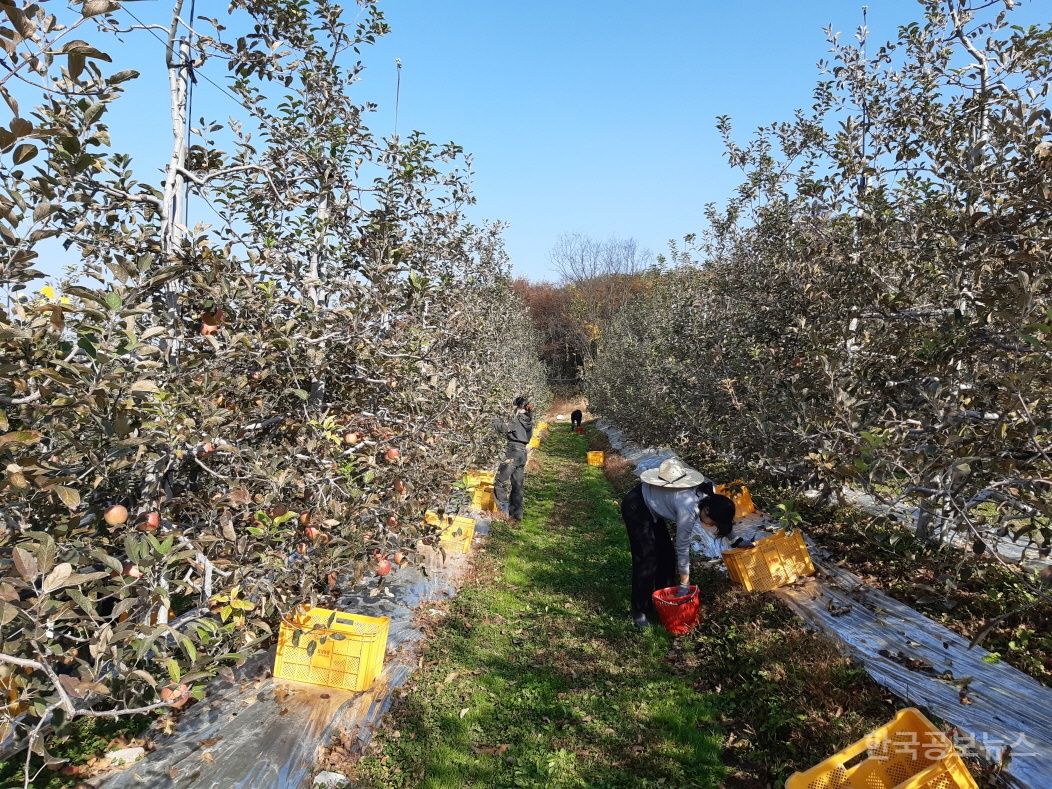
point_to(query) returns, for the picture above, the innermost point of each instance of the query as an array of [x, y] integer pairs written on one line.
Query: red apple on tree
[[383, 567], [151, 522], [392, 454]]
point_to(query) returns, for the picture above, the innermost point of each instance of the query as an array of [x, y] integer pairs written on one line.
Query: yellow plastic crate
[[349, 654], [907, 753], [458, 532], [596, 458], [457, 529], [534, 443], [474, 478], [483, 499], [773, 561], [739, 494], [543, 425]]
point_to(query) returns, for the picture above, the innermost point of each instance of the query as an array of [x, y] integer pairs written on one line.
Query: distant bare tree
[[599, 277], [580, 259]]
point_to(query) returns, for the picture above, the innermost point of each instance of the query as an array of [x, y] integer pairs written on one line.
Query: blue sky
[[592, 116]]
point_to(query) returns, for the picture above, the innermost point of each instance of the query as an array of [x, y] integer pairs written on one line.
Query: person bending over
[[576, 417], [517, 430], [671, 493]]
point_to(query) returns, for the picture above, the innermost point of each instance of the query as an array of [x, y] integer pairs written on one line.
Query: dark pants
[[575, 419], [653, 555], [507, 487]]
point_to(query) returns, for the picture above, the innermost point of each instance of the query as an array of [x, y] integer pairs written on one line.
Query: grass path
[[536, 677]]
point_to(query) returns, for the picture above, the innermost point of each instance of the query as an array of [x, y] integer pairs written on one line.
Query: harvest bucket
[[678, 613], [579, 431]]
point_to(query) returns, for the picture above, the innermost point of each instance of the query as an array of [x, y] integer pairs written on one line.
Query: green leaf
[[25, 563], [21, 437], [123, 76], [189, 648], [57, 577], [144, 386], [24, 153], [174, 672], [68, 496], [113, 301], [95, 7], [7, 613]]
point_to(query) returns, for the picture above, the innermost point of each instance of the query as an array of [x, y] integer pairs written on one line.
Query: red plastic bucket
[[678, 613], [579, 431]]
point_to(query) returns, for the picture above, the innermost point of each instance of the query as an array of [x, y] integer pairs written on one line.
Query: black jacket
[[517, 429]]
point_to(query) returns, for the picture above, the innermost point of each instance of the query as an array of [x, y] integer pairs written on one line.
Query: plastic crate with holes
[[534, 443], [596, 458], [456, 531], [473, 478], [738, 493], [773, 561], [331, 648], [482, 498], [909, 752]]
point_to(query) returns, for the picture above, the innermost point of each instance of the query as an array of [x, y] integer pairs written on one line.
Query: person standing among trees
[[517, 429], [678, 494]]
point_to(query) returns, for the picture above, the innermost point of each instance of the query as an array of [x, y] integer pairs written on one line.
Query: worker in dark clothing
[[575, 418], [517, 430]]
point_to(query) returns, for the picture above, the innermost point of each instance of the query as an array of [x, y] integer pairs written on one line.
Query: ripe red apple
[[131, 570], [116, 515], [392, 454], [383, 567], [312, 532], [399, 487], [213, 317], [352, 438], [207, 449], [392, 521], [150, 523], [398, 558], [305, 518]]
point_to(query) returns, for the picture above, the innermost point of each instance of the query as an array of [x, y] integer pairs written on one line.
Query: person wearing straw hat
[[671, 493]]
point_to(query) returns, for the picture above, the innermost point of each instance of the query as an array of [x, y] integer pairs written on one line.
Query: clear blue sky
[[592, 116]]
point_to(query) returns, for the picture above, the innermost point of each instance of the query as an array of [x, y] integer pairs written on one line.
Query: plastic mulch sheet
[[994, 707], [261, 732]]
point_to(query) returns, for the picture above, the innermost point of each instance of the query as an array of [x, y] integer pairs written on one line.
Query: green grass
[[537, 676]]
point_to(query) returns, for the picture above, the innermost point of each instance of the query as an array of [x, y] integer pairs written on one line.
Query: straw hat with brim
[[672, 474]]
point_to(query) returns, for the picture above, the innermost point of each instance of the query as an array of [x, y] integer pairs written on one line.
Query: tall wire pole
[[865, 102], [398, 94]]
